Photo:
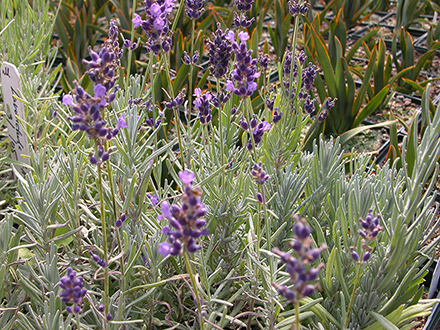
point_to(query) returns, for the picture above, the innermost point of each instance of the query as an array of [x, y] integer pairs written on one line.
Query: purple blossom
[[219, 52], [203, 105], [186, 177], [164, 249], [325, 109], [121, 122], [88, 109], [156, 25], [194, 8], [186, 221], [174, 103], [263, 61], [188, 60], [297, 266], [68, 100], [370, 229], [73, 291], [153, 198], [244, 5], [277, 115], [296, 9], [137, 20], [241, 81], [103, 67], [240, 21], [258, 133], [259, 174]]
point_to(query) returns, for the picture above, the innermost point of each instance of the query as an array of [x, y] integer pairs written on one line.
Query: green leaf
[[347, 136], [384, 321], [371, 106]]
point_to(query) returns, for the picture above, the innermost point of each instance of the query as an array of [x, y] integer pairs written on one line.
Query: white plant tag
[[11, 85]]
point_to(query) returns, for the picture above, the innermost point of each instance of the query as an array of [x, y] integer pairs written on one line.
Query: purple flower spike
[[370, 230], [194, 8], [73, 291], [241, 81], [186, 222], [296, 266], [156, 25], [202, 103]]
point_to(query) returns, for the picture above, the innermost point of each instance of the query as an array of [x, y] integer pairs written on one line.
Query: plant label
[[11, 85]]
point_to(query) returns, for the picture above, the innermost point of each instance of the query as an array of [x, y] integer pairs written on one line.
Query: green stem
[[297, 323], [248, 113], [190, 92], [78, 324], [220, 127], [115, 214], [196, 291], [104, 241], [350, 306]]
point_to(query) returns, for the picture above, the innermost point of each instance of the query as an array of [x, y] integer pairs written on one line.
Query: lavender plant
[[160, 266]]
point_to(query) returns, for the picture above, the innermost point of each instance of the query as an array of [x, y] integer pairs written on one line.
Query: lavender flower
[[308, 76], [260, 198], [270, 103], [296, 9], [370, 230], [202, 104], [259, 174], [194, 8], [327, 106], [156, 24], [120, 220], [188, 60], [242, 79], [291, 69], [153, 198], [186, 221], [174, 103], [219, 52], [98, 260], [244, 5], [220, 99], [129, 45], [87, 108], [240, 21], [74, 291], [258, 133], [309, 105], [296, 265], [103, 67], [263, 61], [277, 115]]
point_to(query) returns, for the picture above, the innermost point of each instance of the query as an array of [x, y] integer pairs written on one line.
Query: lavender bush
[[221, 221]]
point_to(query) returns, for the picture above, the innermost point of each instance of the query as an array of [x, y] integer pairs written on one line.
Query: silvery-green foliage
[[392, 277], [22, 18]]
